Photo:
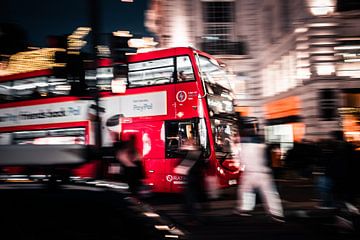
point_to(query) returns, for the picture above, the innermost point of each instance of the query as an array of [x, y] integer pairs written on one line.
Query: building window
[[285, 16], [268, 18], [215, 12], [327, 104], [219, 22]]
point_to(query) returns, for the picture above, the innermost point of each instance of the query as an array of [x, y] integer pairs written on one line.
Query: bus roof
[[36, 73], [168, 52]]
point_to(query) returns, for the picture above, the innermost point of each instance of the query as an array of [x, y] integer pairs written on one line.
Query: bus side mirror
[[119, 82]]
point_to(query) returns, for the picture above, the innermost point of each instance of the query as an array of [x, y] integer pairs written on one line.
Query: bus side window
[[177, 133], [172, 139], [184, 69], [5, 92], [152, 72]]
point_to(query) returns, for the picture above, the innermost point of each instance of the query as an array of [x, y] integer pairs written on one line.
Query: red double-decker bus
[[44, 126], [173, 95], [167, 97]]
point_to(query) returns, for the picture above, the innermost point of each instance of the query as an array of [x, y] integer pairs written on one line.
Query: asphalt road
[[32, 211], [303, 220], [81, 211]]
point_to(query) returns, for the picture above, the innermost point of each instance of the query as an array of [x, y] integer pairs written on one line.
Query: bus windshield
[[225, 132], [220, 103], [212, 72]]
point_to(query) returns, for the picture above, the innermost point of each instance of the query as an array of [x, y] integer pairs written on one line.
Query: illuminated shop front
[[283, 122], [350, 116]]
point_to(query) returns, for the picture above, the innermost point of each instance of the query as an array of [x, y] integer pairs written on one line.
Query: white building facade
[[295, 64]]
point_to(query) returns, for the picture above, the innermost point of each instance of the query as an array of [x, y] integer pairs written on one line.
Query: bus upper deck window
[[152, 72], [184, 69]]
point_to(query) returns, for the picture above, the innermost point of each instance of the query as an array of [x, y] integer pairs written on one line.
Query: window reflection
[[33, 88], [225, 135], [179, 133], [212, 72], [160, 71], [51, 136], [184, 69]]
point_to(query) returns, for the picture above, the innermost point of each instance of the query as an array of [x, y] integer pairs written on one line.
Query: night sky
[[40, 18]]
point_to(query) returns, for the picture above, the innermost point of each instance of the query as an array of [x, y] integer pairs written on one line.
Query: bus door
[[176, 134], [150, 146]]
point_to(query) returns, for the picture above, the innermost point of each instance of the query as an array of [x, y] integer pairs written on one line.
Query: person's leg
[[246, 196], [325, 189], [191, 197], [270, 195]]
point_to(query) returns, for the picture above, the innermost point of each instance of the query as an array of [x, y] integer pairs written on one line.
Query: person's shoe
[[279, 219], [241, 213]]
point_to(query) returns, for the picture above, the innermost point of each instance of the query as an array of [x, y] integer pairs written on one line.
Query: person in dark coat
[[129, 159], [192, 166]]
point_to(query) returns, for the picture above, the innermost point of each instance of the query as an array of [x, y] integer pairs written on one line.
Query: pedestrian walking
[[192, 166], [257, 176], [133, 170], [324, 170]]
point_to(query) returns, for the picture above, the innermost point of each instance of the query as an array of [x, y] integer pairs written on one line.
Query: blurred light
[[329, 51], [103, 50], [210, 38], [58, 140], [321, 7], [349, 47], [27, 61], [93, 182], [171, 236], [140, 43], [122, 34], [349, 39], [118, 85], [20, 180], [162, 227], [179, 34], [301, 30], [323, 43], [136, 42], [351, 60], [151, 214], [75, 40], [303, 73], [120, 187], [38, 176], [63, 88], [323, 24], [325, 69]]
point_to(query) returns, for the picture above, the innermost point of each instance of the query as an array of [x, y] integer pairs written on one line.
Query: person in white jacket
[[257, 175]]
